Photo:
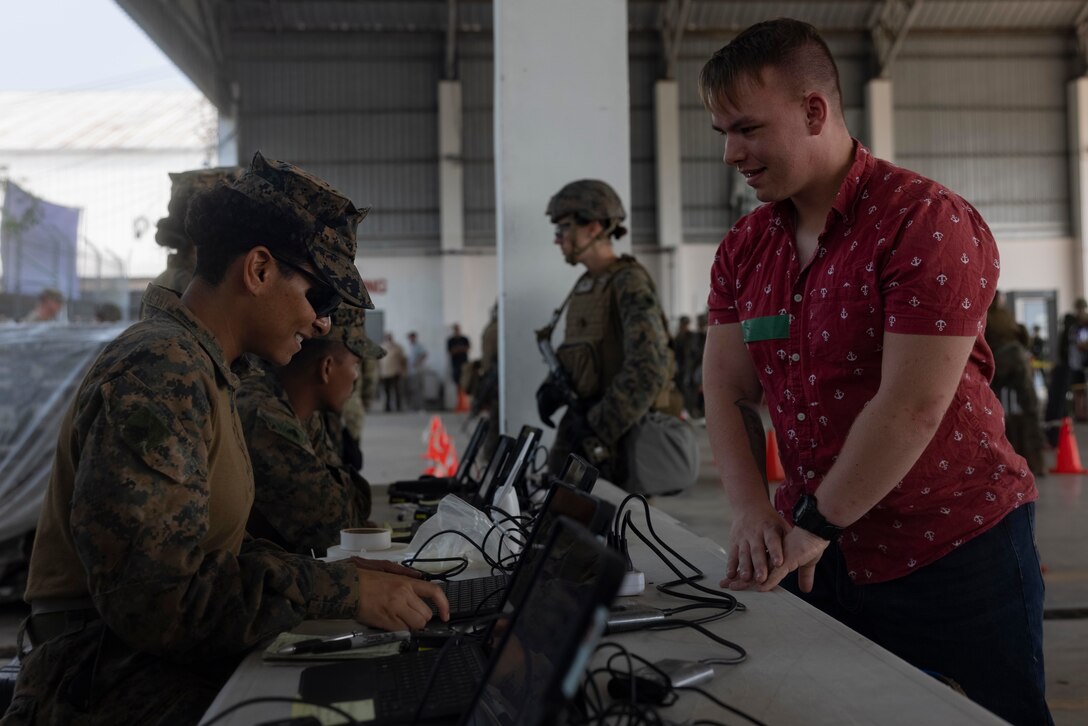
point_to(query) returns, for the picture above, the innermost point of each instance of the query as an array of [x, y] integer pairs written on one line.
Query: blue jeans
[[975, 615]]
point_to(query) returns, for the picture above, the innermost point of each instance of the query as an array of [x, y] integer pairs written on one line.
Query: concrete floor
[[393, 444]]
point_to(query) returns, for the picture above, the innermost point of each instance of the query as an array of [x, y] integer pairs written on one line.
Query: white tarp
[[41, 366]]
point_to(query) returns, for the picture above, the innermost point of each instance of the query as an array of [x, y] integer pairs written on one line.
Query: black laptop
[[521, 672], [476, 596], [578, 473], [430, 488]]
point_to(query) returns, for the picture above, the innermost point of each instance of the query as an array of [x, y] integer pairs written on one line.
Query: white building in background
[[108, 153]]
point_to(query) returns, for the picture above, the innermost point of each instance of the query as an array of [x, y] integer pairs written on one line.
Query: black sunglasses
[[322, 296]]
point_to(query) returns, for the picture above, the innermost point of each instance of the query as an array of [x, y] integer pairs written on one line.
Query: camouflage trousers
[[93, 677]]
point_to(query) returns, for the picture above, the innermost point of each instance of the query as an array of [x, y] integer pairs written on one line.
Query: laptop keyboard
[[475, 596], [400, 682]]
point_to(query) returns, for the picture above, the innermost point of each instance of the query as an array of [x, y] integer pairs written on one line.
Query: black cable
[[742, 654], [461, 566], [723, 609], [722, 704], [277, 699], [408, 561], [688, 580], [429, 683], [665, 677]]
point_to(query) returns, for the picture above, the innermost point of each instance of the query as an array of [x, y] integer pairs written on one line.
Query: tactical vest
[[592, 349]]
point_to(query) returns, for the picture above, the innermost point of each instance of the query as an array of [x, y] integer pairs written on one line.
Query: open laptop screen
[[490, 479], [548, 641], [464, 469], [563, 501]]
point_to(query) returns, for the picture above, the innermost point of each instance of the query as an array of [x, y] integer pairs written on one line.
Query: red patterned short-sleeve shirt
[[899, 254]]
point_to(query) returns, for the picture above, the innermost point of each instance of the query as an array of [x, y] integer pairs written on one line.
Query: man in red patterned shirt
[[855, 300]]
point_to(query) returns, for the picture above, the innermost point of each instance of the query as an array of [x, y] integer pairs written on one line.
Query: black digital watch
[[806, 515]]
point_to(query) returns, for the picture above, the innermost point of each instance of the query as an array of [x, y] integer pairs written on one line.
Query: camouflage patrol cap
[[332, 216], [349, 327], [588, 199], [184, 185]]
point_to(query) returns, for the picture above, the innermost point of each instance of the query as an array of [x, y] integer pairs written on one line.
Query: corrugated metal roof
[[706, 15], [106, 120]]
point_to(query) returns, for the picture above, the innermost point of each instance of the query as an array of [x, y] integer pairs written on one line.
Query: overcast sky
[[79, 45]]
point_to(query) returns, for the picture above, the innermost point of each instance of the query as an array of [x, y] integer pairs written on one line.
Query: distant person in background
[[1037, 344], [485, 394], [1068, 367], [50, 303], [107, 313], [682, 349], [1012, 382], [457, 345], [392, 369], [417, 358], [170, 232]]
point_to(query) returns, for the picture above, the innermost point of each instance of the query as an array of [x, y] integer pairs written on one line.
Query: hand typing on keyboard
[[395, 602]]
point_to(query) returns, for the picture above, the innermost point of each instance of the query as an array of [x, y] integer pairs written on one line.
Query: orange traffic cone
[[1068, 455], [462, 401], [774, 462]]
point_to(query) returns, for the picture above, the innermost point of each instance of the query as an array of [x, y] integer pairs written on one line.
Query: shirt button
[[810, 474], [795, 357], [801, 417], [797, 297]]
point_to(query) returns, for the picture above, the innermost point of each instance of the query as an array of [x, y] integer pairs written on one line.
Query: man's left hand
[[802, 550]]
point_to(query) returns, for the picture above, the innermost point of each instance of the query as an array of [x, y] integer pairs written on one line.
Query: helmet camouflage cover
[[588, 199]]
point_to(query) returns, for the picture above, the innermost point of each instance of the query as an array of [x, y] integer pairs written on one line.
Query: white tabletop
[[803, 667]]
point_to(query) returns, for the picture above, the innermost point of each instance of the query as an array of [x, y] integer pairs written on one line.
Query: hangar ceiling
[[198, 35]]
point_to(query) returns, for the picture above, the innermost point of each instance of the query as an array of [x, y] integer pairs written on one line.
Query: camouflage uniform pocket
[[581, 363], [151, 430]]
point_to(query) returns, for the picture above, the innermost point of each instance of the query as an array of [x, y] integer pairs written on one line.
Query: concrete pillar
[[1077, 91], [670, 227], [880, 116], [451, 201], [561, 113], [451, 174]]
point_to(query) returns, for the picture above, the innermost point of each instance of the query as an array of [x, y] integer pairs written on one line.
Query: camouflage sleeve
[[328, 443], [303, 500], [139, 516], [632, 391]]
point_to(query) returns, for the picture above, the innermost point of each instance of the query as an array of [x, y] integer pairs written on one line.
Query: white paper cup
[[366, 539]]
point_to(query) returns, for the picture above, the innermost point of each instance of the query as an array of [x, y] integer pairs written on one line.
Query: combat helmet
[[589, 200]]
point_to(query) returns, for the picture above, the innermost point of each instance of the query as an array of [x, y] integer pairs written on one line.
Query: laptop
[[513, 469], [524, 669], [578, 473], [477, 596], [429, 488], [529, 438]]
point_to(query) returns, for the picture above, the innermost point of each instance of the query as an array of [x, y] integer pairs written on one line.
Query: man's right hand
[[395, 602], [755, 546]]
